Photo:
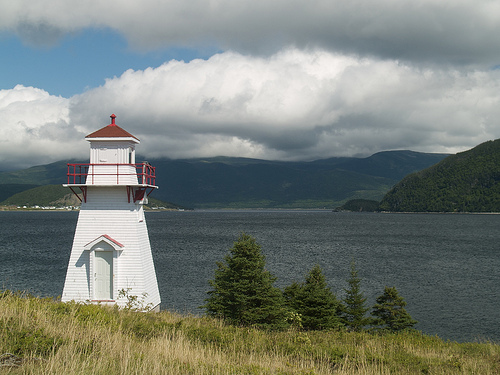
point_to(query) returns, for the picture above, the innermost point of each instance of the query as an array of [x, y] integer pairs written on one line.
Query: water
[[447, 267]]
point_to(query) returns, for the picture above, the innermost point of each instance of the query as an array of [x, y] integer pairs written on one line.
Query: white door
[[103, 275], [108, 155]]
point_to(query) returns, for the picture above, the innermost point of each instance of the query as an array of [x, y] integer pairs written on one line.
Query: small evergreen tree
[[389, 311], [243, 291], [313, 300], [354, 309]]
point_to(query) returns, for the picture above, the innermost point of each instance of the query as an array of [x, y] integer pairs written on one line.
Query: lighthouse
[[111, 260]]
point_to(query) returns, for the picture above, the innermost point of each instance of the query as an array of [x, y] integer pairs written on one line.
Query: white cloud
[[294, 105], [35, 128], [445, 31]]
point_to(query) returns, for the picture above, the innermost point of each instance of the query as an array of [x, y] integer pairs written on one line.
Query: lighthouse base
[[111, 260]]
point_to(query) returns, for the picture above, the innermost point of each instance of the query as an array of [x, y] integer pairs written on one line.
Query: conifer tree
[[389, 311], [354, 309], [243, 291], [314, 301]]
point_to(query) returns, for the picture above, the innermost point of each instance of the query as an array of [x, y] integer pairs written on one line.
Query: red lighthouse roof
[[111, 131]]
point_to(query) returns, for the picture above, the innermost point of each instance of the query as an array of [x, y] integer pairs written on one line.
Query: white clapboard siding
[[110, 220], [107, 212], [111, 174]]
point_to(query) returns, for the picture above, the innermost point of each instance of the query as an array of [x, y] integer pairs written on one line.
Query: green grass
[[56, 338]]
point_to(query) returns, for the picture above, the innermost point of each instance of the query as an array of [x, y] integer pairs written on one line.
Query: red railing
[[78, 173]]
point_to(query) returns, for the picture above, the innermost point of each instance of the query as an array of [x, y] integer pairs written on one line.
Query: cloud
[[293, 105], [39, 34], [421, 31], [35, 128], [296, 105]]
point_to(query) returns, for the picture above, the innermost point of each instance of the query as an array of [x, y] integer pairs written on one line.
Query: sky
[[268, 79]]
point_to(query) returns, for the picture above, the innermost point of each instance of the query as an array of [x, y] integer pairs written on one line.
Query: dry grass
[[55, 338]]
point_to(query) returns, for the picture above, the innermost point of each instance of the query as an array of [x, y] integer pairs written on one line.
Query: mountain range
[[226, 182]]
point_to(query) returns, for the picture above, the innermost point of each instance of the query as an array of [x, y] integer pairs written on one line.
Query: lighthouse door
[[108, 155], [103, 275]]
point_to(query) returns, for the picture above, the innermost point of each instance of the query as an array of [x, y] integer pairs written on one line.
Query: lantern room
[[112, 162], [112, 145]]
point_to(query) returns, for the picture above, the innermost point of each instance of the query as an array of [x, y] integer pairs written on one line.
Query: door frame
[[101, 249], [103, 243]]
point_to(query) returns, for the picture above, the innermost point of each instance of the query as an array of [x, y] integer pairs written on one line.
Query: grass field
[[42, 336]]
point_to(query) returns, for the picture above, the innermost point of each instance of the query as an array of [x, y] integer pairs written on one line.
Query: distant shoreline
[[65, 209]]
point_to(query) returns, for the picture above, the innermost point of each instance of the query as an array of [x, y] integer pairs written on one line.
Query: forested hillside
[[224, 182], [46, 195], [466, 182]]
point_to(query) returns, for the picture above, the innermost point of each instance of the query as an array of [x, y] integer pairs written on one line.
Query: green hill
[[224, 182], [59, 196], [8, 190], [38, 175], [466, 182], [359, 205], [251, 183], [46, 195]]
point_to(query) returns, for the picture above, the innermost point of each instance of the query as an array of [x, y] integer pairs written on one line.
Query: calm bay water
[[447, 267]]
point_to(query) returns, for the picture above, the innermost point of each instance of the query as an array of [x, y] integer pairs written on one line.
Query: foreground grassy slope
[[54, 338]]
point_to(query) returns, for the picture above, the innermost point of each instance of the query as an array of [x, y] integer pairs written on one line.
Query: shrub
[[354, 309], [314, 302], [243, 291], [389, 311]]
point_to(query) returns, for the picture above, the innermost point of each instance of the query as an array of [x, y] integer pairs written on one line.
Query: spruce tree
[[243, 291], [354, 309], [314, 301], [389, 311]]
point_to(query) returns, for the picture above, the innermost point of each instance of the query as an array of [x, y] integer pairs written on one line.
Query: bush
[[389, 311], [314, 302], [243, 291], [354, 309]]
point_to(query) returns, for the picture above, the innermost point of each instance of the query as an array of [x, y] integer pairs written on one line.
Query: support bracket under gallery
[[83, 190]]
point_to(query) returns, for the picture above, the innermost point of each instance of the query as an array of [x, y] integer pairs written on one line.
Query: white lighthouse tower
[[111, 255]]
